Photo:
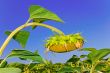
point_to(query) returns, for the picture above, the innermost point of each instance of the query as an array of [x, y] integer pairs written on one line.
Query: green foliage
[[27, 55], [66, 69], [3, 64], [73, 65], [93, 62], [16, 65], [83, 56], [73, 59], [40, 14], [21, 37], [97, 55], [10, 70]]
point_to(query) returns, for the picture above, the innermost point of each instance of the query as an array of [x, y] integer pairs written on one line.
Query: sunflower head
[[64, 43]]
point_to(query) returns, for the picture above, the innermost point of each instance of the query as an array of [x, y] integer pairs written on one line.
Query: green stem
[[3, 60], [28, 21], [48, 70], [93, 67], [6, 43], [24, 26]]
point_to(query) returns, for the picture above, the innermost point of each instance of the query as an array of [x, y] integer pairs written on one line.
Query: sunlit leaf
[[98, 54], [21, 37], [41, 14], [26, 55]]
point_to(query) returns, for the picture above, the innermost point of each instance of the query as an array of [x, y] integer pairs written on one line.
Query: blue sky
[[90, 17]]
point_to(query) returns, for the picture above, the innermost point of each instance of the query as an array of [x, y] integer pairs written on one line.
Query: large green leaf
[[21, 37], [26, 55], [10, 70], [40, 14], [96, 55]]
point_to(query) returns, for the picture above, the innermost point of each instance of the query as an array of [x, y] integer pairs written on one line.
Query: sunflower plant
[[93, 62], [57, 43], [38, 15]]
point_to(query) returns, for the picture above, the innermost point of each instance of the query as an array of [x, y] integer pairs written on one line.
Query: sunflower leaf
[[21, 37]]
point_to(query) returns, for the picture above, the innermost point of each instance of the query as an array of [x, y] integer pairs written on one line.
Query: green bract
[[64, 43]]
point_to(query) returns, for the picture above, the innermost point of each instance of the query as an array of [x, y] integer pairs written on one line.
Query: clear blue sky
[[90, 17]]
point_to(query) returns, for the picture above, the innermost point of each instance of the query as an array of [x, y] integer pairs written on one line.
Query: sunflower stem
[[24, 26]]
